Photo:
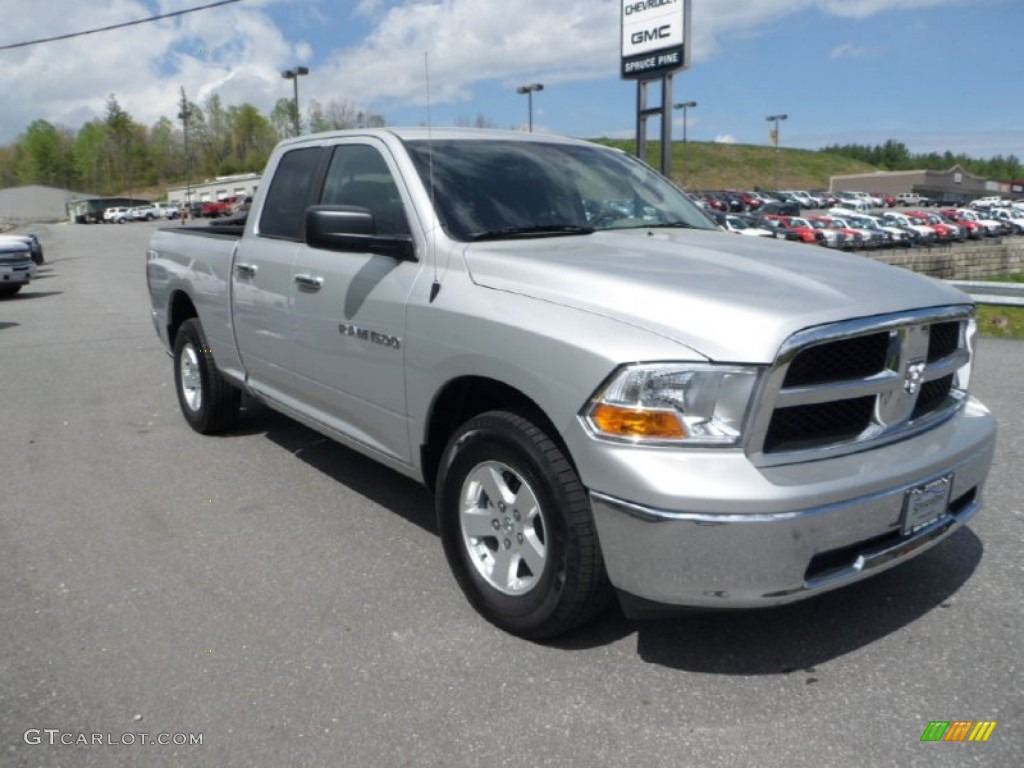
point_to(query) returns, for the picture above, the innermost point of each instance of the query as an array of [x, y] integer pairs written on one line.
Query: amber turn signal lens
[[616, 421]]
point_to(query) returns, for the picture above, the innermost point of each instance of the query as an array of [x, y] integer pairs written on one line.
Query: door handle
[[309, 281], [246, 270]]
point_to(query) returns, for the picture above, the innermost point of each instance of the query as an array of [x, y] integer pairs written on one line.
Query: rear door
[[262, 272]]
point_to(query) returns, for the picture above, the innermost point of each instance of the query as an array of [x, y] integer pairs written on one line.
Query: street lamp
[[293, 75], [684, 105], [184, 115], [775, 140], [528, 90]]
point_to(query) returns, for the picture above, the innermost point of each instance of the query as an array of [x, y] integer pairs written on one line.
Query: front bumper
[[19, 272], [769, 536]]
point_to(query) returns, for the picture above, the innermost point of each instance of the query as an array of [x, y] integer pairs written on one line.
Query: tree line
[[115, 154], [896, 156]]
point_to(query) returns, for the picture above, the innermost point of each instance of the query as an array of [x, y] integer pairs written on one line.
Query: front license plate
[[926, 504]]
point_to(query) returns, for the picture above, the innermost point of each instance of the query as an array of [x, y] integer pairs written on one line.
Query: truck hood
[[730, 299]]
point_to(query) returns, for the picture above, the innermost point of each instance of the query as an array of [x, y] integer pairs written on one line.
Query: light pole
[[184, 115], [775, 141], [293, 75], [684, 105], [528, 90]]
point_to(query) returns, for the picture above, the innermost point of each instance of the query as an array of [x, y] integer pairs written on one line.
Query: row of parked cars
[[793, 201], [211, 209], [120, 215], [844, 228]]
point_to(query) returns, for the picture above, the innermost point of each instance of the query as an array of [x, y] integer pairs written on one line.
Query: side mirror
[[352, 228]]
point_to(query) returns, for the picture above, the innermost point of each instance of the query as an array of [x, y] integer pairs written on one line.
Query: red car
[[944, 233], [975, 231], [803, 228], [216, 208], [887, 200]]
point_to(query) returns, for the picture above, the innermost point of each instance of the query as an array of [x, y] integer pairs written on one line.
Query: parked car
[[34, 246], [143, 213], [167, 210], [216, 208], [845, 202], [17, 268], [992, 201], [897, 219], [852, 238], [741, 225], [894, 236], [781, 208], [116, 215]]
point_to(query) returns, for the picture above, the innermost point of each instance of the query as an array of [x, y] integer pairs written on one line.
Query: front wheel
[[517, 528], [10, 289], [208, 403]]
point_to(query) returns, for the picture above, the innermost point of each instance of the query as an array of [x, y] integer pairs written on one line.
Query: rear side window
[[288, 196]]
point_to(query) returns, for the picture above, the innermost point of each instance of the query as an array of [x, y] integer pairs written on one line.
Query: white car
[[992, 201], [902, 220], [143, 213], [166, 210], [895, 235], [116, 215], [845, 204], [741, 226], [910, 199]]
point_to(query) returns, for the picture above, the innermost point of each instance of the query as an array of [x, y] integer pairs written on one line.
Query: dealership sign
[[655, 37]]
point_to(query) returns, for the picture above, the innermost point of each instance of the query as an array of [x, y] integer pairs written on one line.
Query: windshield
[[493, 189]]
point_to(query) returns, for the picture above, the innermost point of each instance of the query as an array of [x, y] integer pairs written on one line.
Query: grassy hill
[[745, 166]]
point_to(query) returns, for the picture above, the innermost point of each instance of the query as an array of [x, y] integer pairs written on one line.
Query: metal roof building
[[953, 186], [37, 203]]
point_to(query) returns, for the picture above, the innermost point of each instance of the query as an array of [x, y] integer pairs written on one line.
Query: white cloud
[[725, 139], [852, 51]]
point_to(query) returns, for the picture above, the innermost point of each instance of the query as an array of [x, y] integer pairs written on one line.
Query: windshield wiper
[[545, 229]]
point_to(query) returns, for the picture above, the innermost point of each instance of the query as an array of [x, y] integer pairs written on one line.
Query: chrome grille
[[838, 389]]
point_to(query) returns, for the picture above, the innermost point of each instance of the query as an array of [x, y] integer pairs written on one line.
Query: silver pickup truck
[[606, 394]]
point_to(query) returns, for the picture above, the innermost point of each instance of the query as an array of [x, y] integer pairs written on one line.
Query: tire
[[208, 403], [552, 578], [10, 289]]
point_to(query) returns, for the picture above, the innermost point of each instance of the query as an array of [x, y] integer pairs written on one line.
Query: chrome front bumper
[[787, 552]]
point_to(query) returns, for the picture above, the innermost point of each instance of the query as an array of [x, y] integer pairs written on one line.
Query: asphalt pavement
[[285, 601]]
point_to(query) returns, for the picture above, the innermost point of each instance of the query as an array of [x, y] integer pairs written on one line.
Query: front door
[[350, 308]]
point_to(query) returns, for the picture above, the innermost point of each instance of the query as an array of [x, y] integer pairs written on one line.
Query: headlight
[[673, 403]]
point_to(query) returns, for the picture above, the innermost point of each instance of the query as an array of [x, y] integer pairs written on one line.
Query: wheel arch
[[465, 397], [180, 309]]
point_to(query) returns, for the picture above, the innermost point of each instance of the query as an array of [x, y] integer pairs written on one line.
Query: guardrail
[[998, 294]]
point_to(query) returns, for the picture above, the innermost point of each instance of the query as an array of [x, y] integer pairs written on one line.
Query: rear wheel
[[208, 403], [517, 528]]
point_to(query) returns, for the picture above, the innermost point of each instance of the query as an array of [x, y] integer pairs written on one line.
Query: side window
[[288, 195], [358, 175]]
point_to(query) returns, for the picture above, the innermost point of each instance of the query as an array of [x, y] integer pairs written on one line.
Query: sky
[[935, 74]]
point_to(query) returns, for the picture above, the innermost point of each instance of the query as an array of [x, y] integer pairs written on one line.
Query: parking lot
[[288, 599]]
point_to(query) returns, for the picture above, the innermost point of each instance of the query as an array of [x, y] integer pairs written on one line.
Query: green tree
[[90, 157], [282, 117], [43, 157]]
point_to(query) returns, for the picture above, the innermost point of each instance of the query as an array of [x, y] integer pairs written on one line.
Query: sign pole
[[666, 126], [655, 44]]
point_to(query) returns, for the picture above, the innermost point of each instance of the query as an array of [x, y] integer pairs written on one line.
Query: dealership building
[[219, 188], [953, 186]]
